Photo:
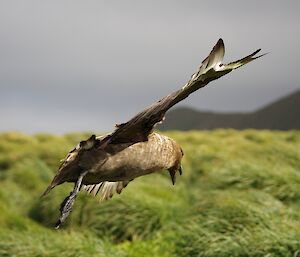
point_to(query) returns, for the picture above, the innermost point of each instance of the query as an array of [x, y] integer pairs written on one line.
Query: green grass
[[239, 196]]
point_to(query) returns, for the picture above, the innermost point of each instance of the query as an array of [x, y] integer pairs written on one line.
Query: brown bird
[[105, 165]]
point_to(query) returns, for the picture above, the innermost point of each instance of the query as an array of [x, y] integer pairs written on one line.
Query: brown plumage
[[105, 165]]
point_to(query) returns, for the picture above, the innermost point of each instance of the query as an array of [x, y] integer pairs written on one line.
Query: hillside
[[281, 115], [238, 196]]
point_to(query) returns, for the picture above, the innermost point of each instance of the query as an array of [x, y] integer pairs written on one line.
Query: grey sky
[[86, 65]]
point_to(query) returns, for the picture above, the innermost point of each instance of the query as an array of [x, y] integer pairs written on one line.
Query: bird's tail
[[48, 189]]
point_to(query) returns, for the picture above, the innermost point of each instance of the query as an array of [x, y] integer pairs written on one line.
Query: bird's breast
[[158, 153]]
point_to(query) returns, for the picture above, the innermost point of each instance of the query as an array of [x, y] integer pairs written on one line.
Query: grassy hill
[[283, 114], [239, 196]]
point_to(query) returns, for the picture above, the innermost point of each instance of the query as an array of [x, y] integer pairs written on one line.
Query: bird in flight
[[105, 165]]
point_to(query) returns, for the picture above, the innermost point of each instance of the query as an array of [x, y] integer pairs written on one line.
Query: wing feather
[[106, 189], [140, 126]]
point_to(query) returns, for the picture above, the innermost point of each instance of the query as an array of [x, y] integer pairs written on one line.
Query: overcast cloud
[[86, 65]]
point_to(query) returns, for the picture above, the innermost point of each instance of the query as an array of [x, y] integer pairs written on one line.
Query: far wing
[[106, 189], [139, 127]]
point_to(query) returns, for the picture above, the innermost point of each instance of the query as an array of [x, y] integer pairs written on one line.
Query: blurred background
[[86, 65], [72, 68]]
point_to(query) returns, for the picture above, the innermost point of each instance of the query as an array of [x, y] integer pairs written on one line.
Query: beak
[[173, 176], [180, 170]]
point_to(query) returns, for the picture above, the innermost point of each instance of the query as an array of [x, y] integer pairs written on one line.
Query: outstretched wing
[[139, 127]]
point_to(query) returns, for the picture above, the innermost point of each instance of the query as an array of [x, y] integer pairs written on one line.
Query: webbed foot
[[65, 209], [67, 204]]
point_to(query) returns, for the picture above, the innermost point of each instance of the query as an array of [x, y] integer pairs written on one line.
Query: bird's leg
[[67, 204]]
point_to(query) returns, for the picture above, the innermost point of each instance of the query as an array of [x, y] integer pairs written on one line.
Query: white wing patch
[[214, 59], [106, 189]]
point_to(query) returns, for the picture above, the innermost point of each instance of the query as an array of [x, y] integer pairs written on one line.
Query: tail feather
[[56, 181], [49, 188]]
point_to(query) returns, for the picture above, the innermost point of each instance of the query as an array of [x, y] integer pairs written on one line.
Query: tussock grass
[[239, 196], [37, 242]]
